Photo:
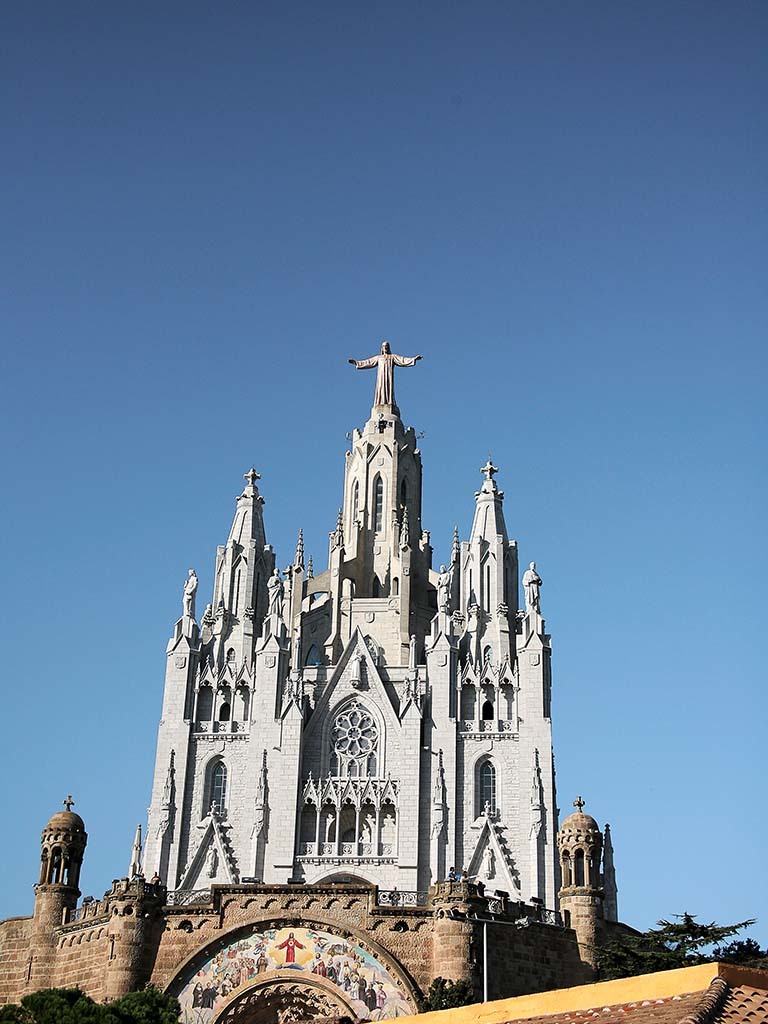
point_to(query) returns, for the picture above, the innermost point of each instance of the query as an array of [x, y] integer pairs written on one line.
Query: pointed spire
[[611, 901], [455, 549], [134, 870], [298, 561], [310, 569], [337, 537], [168, 787]]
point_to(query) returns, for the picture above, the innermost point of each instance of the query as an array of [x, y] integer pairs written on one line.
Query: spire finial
[[69, 802], [489, 469], [310, 569], [252, 476], [579, 803], [135, 869], [337, 536], [299, 559], [455, 548]]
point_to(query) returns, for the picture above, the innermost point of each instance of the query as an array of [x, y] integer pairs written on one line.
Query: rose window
[[354, 737]]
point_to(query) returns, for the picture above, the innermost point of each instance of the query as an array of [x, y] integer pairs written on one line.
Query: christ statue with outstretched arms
[[385, 363]]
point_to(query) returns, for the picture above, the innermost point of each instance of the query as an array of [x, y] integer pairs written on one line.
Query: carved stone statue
[[412, 662], [275, 590], [443, 589], [190, 589], [356, 679], [489, 862], [385, 363], [531, 583], [211, 862]]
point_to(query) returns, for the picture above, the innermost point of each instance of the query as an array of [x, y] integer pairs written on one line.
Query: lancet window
[[486, 787], [217, 787], [378, 505]]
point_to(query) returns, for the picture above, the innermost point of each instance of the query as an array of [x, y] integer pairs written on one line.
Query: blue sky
[[207, 208]]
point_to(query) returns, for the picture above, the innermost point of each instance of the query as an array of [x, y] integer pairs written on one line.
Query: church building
[[354, 789]]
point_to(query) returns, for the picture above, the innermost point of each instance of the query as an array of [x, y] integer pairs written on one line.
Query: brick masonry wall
[[15, 946], [132, 940]]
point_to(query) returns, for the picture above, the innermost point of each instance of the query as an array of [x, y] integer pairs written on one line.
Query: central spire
[[385, 363]]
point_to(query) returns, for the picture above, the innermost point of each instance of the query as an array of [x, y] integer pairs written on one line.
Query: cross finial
[[251, 476], [69, 802], [579, 802], [489, 469]]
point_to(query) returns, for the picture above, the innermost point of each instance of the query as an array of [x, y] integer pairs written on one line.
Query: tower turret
[[57, 891], [489, 579], [243, 566], [61, 857], [580, 843]]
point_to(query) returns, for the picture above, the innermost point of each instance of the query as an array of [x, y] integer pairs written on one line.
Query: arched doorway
[[282, 971], [277, 1001]]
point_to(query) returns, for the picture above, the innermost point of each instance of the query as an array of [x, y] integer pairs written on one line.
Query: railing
[[402, 898], [346, 850], [226, 728], [501, 725], [188, 897]]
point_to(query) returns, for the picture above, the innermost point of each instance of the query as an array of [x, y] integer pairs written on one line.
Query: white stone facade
[[381, 720]]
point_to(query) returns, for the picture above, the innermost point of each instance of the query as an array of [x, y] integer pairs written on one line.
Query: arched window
[[488, 714], [376, 587], [56, 866], [205, 704], [243, 703], [578, 868], [313, 656], [218, 787], [355, 500], [378, 505], [395, 586], [225, 712], [486, 790], [487, 654], [566, 868], [230, 655]]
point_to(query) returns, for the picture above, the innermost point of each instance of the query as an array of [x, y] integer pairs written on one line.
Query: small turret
[[57, 892], [580, 843], [63, 846]]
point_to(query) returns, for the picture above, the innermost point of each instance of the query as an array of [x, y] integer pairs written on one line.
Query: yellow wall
[[661, 985]]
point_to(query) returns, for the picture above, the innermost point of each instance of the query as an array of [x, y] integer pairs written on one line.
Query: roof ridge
[[711, 1003]]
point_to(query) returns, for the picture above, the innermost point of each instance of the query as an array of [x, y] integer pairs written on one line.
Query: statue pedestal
[[275, 626], [185, 626]]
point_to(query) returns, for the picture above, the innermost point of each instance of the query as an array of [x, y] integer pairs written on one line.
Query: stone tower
[[379, 721], [588, 890], [56, 894]]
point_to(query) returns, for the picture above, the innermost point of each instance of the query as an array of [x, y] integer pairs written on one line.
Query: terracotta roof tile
[[744, 1005], [671, 1010], [720, 1004]]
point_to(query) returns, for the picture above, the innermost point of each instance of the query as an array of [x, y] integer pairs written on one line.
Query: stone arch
[[220, 972], [345, 878], [275, 998]]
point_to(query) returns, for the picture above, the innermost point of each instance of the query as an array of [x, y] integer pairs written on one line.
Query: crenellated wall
[[133, 937]]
